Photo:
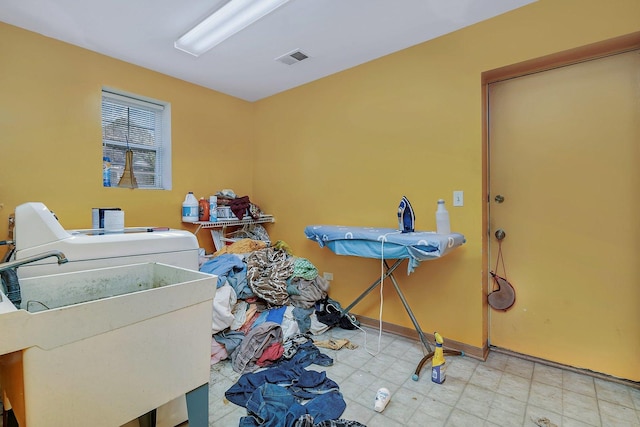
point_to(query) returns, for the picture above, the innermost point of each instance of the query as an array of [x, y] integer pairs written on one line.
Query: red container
[[203, 209]]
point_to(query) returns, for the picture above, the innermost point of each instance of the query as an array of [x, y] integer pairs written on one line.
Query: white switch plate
[[458, 198], [328, 276]]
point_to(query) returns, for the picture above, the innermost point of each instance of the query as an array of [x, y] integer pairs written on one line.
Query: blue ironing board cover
[[384, 243]]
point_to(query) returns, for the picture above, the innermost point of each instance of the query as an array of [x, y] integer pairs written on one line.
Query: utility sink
[[103, 347]]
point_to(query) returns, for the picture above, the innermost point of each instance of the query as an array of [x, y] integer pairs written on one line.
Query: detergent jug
[[190, 208]]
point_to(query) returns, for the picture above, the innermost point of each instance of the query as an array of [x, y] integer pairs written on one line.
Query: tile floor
[[503, 391]]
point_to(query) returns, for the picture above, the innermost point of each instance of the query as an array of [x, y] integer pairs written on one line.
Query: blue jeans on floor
[[272, 405], [306, 355], [284, 373]]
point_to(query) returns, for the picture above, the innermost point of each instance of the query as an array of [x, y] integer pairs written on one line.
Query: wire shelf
[[233, 222]]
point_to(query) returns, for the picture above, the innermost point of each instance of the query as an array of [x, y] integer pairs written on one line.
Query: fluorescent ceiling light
[[225, 22]]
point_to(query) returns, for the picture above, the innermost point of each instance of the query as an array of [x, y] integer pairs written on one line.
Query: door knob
[[500, 234], [499, 198]]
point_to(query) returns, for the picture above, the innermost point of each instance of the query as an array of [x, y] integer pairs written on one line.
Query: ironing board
[[388, 244]]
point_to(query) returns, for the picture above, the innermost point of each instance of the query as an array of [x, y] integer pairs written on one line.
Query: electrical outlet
[[327, 276], [458, 198]]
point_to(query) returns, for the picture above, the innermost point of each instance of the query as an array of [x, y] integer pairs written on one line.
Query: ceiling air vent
[[292, 57]]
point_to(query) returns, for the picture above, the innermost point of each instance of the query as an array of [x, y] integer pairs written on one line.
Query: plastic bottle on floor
[[438, 364], [382, 398], [190, 208]]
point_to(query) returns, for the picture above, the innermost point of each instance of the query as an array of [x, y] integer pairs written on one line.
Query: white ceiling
[[336, 34]]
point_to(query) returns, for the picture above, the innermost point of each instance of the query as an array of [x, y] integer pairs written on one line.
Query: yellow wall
[[51, 134], [343, 149]]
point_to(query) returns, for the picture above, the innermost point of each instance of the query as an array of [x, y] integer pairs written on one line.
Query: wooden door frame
[[596, 50]]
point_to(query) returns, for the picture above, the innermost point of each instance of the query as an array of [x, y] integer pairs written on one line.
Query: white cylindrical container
[[190, 208], [382, 399], [114, 221], [224, 212], [213, 208], [443, 226]]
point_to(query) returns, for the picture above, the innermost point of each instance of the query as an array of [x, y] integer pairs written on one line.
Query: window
[[142, 125]]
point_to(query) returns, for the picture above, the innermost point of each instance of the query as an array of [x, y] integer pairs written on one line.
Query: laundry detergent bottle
[[203, 209], [438, 367], [190, 208]]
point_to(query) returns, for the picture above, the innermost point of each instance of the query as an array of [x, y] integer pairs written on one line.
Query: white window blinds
[[137, 124]]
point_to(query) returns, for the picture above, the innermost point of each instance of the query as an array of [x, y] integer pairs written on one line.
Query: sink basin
[[102, 347]]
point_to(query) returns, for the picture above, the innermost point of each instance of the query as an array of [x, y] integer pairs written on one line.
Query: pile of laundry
[[266, 299], [288, 395], [268, 305]]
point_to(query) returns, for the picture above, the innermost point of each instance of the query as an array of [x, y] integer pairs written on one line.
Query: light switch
[[458, 198]]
